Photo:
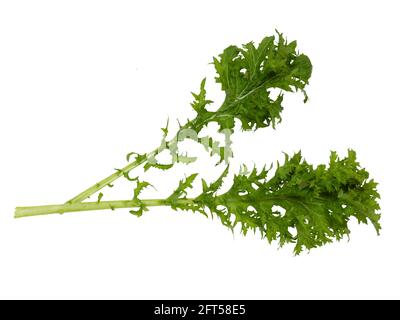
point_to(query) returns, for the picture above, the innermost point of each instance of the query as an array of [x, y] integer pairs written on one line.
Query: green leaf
[[248, 74], [181, 191], [160, 166], [200, 102], [140, 186], [318, 202], [100, 195], [138, 157], [217, 184], [139, 212], [127, 177]]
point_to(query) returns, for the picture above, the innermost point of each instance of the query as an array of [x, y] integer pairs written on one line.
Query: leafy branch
[[318, 202], [247, 75]]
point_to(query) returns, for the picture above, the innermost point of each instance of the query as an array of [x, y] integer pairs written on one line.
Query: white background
[[84, 82]]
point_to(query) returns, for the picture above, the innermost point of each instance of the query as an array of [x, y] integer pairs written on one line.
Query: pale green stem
[[105, 182], [111, 178], [21, 212]]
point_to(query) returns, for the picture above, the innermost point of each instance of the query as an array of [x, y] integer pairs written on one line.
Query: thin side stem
[[105, 182], [111, 178], [21, 212]]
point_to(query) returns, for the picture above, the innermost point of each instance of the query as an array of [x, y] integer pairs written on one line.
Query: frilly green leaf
[[247, 75], [318, 202], [180, 192]]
